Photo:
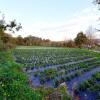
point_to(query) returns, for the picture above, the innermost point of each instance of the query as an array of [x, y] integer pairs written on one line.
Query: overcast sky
[[53, 19]]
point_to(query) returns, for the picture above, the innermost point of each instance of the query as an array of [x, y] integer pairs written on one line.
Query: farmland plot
[[49, 67]]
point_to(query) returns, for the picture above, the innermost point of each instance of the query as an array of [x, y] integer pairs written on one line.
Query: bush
[[1, 45], [68, 78], [83, 86], [42, 80], [96, 76], [78, 73], [56, 82], [36, 73]]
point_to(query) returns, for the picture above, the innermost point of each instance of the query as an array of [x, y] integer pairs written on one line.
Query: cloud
[[69, 29]]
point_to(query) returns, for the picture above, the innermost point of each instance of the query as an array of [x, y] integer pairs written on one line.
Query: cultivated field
[[50, 66]]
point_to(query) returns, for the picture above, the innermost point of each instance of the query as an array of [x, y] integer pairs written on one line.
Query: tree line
[[7, 41]]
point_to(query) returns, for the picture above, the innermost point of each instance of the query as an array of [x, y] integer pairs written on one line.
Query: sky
[[56, 20]]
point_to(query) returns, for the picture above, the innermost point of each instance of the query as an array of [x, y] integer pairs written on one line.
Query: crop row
[[64, 73], [92, 85], [43, 58]]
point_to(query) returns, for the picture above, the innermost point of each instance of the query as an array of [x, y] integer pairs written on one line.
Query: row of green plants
[[65, 73], [43, 57], [92, 85]]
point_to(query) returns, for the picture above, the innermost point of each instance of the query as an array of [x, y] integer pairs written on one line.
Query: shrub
[[78, 73], [96, 76], [36, 73], [42, 80], [68, 78]]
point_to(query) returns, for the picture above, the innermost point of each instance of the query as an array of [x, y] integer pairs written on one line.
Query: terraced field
[[49, 67]]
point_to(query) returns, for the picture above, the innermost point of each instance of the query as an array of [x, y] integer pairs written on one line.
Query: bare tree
[[90, 33], [97, 1]]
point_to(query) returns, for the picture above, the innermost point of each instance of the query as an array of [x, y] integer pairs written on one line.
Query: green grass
[[36, 47], [13, 82]]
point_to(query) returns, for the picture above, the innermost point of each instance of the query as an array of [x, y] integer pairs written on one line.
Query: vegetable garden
[[49, 67]]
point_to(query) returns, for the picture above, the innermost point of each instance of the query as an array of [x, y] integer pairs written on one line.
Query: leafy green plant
[[42, 80]]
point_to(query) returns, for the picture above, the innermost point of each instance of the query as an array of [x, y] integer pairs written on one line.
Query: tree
[[90, 33], [20, 40], [97, 2], [5, 38], [11, 26], [81, 39], [70, 44]]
